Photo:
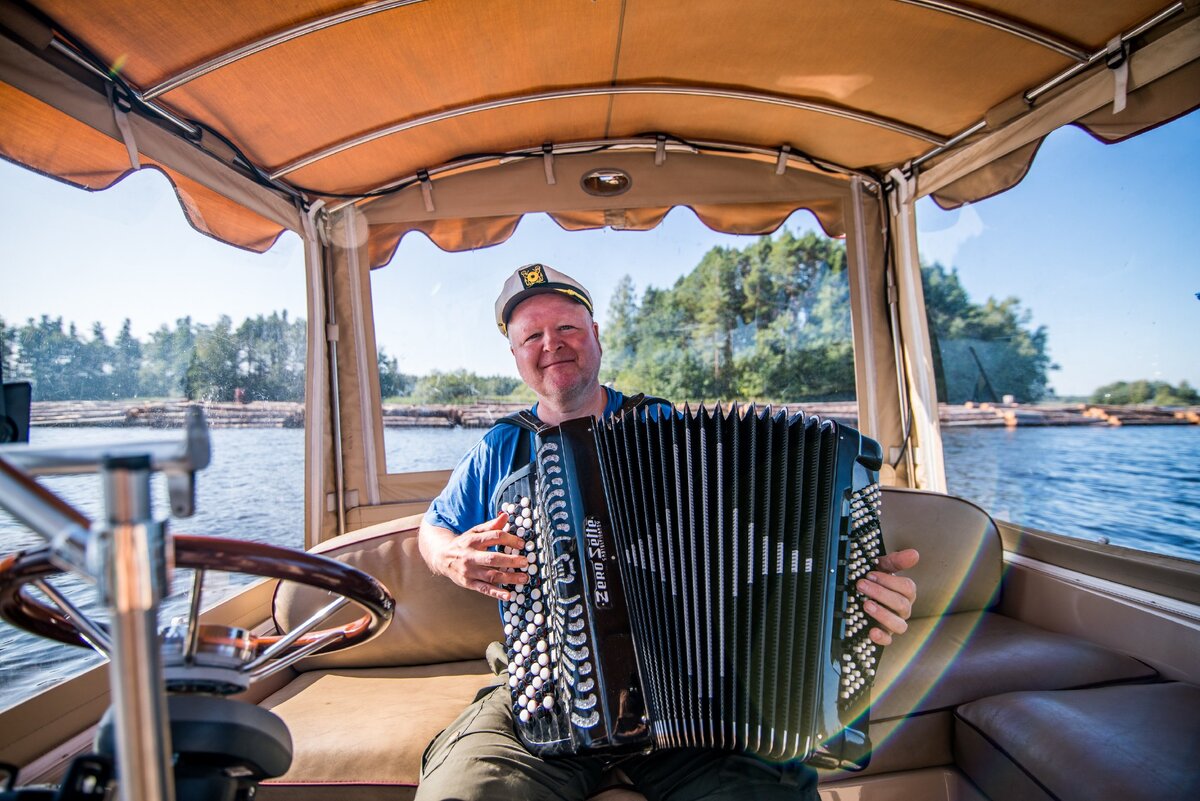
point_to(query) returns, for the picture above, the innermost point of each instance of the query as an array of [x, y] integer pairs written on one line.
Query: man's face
[[557, 348]]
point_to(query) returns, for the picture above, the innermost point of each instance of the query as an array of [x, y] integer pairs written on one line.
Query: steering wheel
[[220, 648]]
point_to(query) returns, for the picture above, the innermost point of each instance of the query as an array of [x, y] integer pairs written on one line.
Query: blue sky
[[1101, 244]]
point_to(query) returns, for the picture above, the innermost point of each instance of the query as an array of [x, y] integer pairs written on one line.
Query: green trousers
[[480, 757]]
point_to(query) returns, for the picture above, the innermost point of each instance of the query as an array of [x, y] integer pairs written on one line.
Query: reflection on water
[[1134, 486]]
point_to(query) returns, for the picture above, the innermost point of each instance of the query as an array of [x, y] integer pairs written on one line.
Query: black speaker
[[14, 411]]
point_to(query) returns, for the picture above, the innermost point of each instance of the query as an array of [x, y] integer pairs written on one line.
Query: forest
[[771, 321], [768, 322]]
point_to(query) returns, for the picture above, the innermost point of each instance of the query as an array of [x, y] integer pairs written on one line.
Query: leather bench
[[957, 649], [1135, 743], [361, 718]]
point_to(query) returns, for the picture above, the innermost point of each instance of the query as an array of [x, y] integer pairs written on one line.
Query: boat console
[[172, 731]]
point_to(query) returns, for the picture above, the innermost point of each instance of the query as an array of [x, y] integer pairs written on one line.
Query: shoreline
[[288, 414]]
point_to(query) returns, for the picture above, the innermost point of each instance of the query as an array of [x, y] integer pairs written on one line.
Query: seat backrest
[[962, 557], [435, 620]]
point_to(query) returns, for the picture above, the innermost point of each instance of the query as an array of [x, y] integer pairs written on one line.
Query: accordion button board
[[691, 583]]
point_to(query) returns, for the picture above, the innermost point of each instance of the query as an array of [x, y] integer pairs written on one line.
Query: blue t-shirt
[[467, 499]]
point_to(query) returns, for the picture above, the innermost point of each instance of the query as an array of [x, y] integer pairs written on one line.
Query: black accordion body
[[692, 584]]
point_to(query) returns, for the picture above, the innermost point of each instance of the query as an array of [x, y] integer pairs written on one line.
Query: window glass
[[117, 311], [1063, 318], [684, 313]]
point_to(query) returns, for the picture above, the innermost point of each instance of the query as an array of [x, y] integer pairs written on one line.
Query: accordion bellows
[[692, 585]]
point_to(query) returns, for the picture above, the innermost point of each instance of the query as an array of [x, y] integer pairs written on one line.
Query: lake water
[[1135, 486]]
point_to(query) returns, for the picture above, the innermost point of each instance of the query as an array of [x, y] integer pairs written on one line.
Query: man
[[547, 317]]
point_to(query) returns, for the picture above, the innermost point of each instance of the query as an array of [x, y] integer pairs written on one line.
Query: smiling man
[[547, 317]]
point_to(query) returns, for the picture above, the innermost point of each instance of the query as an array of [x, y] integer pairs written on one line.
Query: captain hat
[[536, 279]]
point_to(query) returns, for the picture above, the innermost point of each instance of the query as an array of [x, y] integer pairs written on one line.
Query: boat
[[1035, 665]]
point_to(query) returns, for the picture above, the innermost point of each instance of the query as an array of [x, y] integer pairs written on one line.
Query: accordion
[[692, 584]]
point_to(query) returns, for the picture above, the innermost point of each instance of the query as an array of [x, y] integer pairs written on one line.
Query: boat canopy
[[455, 118], [354, 124]]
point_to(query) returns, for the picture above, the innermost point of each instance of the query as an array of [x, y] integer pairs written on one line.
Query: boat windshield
[[1062, 315], [117, 311], [685, 313]]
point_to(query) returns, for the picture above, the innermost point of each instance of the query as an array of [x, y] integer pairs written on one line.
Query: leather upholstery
[[1128, 742], [941, 663], [370, 726], [961, 552], [435, 620], [955, 652]]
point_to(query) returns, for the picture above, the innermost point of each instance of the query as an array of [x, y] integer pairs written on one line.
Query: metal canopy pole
[[131, 556]]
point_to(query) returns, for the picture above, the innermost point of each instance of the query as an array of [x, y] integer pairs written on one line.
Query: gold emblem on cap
[[532, 275]]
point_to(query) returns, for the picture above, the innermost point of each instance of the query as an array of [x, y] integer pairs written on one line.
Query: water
[[1137, 486], [1134, 486]]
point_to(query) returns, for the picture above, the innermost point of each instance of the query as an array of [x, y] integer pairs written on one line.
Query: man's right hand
[[467, 558]]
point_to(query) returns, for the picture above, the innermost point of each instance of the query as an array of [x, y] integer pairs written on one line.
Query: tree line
[[1157, 393], [263, 358], [771, 321]]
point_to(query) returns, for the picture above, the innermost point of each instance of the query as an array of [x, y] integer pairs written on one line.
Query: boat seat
[[957, 648], [1035, 745], [371, 710]]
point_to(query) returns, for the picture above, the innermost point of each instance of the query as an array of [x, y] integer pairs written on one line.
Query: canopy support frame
[[1147, 64], [925, 438], [1001, 23], [798, 104], [1032, 95], [272, 40]]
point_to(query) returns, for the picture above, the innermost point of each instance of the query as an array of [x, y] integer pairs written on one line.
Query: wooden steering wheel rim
[[22, 610]]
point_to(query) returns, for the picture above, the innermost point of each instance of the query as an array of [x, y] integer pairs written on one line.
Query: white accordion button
[[524, 716]]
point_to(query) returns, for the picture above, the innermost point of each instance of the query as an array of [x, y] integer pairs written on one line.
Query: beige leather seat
[[1076, 745], [361, 719], [957, 648]]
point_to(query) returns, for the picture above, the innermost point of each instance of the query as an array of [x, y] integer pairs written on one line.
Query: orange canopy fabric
[[341, 98]]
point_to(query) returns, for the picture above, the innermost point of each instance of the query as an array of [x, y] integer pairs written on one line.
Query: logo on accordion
[[597, 556]]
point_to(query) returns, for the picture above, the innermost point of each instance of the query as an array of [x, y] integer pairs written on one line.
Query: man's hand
[[892, 595], [466, 559]]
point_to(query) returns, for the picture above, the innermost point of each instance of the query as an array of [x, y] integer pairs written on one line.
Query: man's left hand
[[890, 596]]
